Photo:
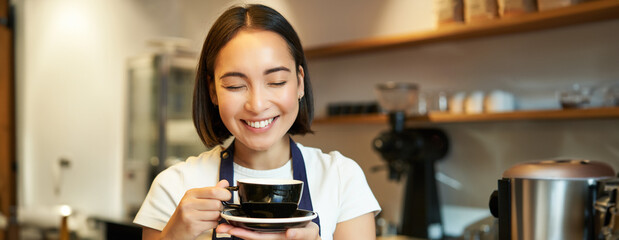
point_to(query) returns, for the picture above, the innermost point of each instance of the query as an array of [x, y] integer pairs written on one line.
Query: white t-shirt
[[337, 185]]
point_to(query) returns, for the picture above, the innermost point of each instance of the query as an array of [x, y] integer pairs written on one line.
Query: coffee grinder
[[412, 151]]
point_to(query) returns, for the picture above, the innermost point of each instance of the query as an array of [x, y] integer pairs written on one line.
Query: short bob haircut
[[206, 118]]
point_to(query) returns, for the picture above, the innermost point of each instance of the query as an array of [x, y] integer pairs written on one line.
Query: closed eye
[[232, 87], [278, 84]]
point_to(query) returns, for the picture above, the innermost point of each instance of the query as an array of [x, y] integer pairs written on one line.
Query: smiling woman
[[253, 85]]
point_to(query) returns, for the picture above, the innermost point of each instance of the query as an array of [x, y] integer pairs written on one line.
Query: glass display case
[[159, 128]]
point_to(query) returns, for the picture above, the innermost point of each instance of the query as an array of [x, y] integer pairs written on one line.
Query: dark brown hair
[[206, 118]]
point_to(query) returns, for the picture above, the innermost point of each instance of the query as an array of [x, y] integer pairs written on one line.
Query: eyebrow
[[232, 74], [276, 69], [266, 72]]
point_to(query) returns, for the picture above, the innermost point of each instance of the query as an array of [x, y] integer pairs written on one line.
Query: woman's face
[[257, 88]]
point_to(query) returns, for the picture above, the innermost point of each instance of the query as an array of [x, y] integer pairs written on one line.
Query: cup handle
[[231, 205]]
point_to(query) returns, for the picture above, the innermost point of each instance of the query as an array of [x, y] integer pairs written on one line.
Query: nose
[[257, 101]]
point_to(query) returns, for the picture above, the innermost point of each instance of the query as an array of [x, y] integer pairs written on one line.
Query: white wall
[[71, 85], [71, 58]]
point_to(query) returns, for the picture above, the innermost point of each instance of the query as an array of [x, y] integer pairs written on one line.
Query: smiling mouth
[[259, 124]]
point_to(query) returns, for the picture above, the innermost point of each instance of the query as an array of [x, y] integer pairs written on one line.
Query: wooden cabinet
[[586, 12], [592, 11]]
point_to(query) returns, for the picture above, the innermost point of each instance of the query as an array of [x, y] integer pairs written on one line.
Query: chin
[[259, 145]]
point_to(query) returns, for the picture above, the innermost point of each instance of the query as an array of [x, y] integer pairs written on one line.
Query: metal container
[[556, 199]]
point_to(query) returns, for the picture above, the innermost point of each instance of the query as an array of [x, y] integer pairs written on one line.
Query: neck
[[274, 157]]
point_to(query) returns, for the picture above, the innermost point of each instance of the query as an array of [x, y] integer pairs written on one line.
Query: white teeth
[[260, 124]]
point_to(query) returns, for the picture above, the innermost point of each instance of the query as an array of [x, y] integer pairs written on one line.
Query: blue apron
[[226, 171]]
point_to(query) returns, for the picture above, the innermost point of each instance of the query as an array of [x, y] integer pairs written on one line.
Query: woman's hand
[[309, 232], [197, 212]]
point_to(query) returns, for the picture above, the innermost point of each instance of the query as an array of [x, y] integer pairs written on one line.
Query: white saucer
[[238, 218]]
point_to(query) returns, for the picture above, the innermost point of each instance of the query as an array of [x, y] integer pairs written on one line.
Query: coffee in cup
[[267, 198]]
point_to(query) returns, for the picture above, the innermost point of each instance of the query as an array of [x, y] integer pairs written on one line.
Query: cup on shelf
[[576, 97], [499, 101], [456, 103], [612, 96], [431, 101], [474, 102], [437, 101], [422, 106]]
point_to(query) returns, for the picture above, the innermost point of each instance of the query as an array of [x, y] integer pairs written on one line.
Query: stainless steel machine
[[557, 199]]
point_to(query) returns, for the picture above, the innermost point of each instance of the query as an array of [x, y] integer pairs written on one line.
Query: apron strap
[[226, 171], [299, 173]]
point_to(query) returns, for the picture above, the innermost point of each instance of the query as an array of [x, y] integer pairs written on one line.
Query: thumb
[[222, 184]]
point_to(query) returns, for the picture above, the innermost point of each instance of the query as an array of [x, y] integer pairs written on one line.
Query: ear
[[212, 93], [300, 82]]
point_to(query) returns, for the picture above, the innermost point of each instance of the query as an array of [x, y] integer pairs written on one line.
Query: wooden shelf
[[352, 119], [582, 13], [589, 113]]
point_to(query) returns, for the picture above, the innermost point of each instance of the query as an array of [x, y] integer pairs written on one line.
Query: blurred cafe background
[[96, 98]]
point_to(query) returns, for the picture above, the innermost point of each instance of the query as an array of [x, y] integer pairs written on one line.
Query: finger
[[201, 204], [195, 222], [308, 232], [222, 184], [202, 216], [209, 215], [207, 205], [217, 193]]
